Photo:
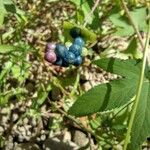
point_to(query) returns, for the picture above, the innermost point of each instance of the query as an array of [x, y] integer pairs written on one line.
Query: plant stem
[[132, 23], [139, 88], [70, 117], [78, 123], [75, 84], [125, 106]]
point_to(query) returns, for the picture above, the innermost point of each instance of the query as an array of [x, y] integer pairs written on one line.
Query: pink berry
[[50, 56], [50, 46]]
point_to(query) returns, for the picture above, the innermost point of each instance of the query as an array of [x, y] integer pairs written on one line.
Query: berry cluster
[[59, 54]]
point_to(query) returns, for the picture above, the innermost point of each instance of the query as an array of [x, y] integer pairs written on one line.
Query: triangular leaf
[[127, 68], [132, 50], [104, 97]]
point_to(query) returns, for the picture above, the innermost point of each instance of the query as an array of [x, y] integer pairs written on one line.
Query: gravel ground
[[22, 127]]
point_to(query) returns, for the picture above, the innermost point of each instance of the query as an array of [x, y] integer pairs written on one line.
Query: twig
[[132, 23], [139, 89], [91, 12], [78, 123]]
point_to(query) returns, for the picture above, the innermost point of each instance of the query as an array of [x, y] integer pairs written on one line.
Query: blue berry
[[59, 61], [79, 41], [75, 49], [64, 63], [61, 50], [69, 57], [75, 32], [78, 61]]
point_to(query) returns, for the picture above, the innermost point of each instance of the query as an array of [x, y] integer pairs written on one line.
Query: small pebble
[[33, 122], [80, 138], [4, 119], [12, 106], [43, 137], [20, 138], [10, 146], [67, 136], [87, 86], [4, 111], [1, 129], [15, 117], [21, 129], [29, 103], [25, 121]]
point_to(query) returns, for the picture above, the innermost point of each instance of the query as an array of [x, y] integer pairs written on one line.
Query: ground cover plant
[[74, 74]]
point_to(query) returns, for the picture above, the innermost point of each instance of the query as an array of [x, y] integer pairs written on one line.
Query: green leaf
[[1, 18], [96, 122], [104, 97], [6, 5], [8, 2], [21, 71], [140, 130], [6, 49], [127, 68], [7, 67], [132, 46], [117, 2], [111, 95], [2, 12], [10, 8], [80, 15], [132, 50], [4, 97], [68, 80], [88, 35], [139, 16], [16, 71], [124, 31], [124, 28], [121, 23], [85, 6], [42, 94], [117, 93]]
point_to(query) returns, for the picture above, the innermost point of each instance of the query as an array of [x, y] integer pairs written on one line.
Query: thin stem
[[91, 12], [1, 39], [70, 117], [132, 23], [139, 88], [75, 84], [125, 106], [78, 123], [57, 84]]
